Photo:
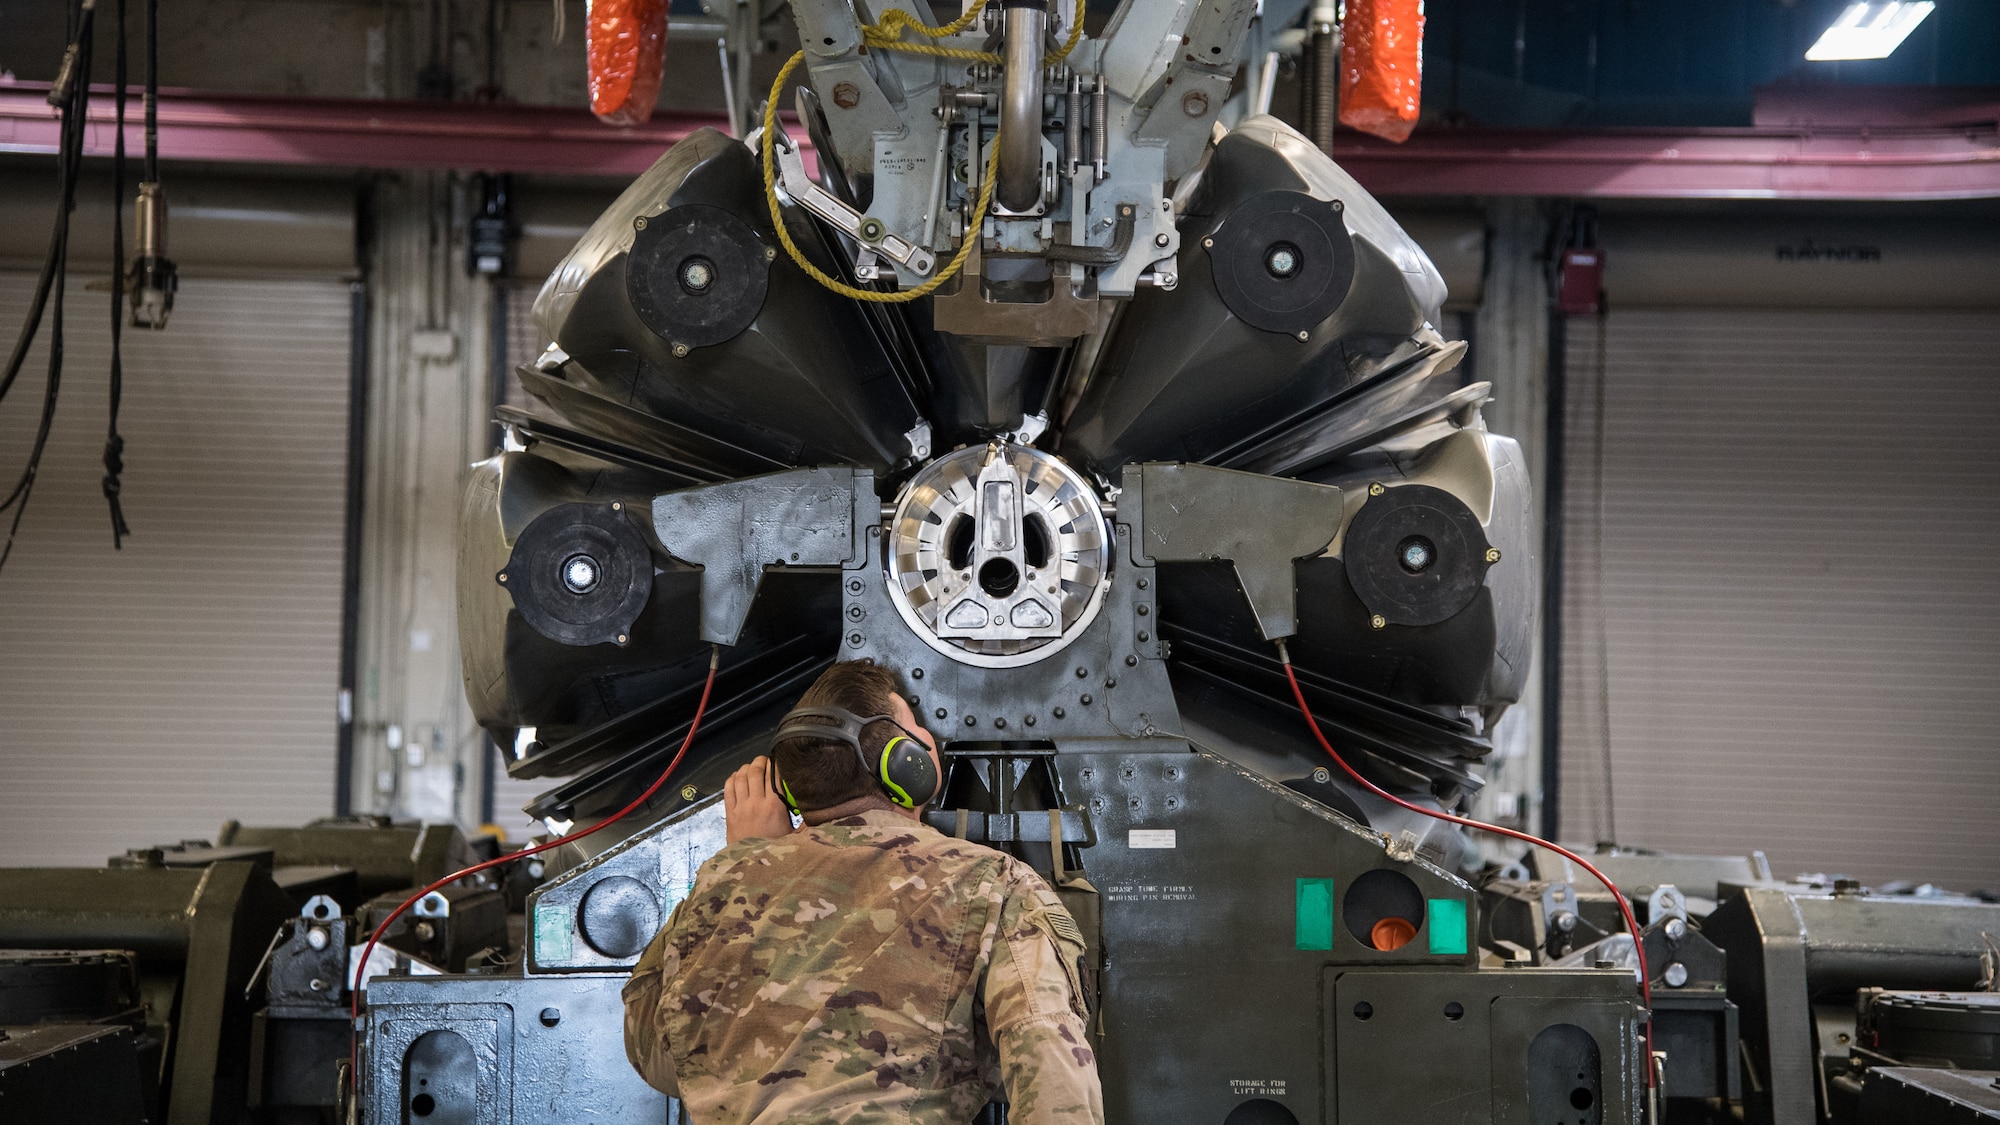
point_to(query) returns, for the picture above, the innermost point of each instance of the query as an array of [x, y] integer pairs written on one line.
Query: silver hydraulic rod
[[1073, 125], [1018, 187], [1100, 123]]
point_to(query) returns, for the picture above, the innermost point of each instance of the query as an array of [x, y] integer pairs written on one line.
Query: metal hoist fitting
[[1019, 185]]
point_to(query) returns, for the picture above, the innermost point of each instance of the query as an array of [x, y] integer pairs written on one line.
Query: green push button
[[1447, 925], [1312, 925]]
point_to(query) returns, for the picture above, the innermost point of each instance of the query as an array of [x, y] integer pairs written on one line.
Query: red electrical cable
[[1624, 907], [361, 974]]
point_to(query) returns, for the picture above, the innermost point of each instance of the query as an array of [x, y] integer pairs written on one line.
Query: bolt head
[[680, 351], [580, 573], [697, 274], [1675, 929], [1378, 622], [1676, 975], [1322, 775], [1493, 554], [689, 792], [1376, 490], [1304, 336], [316, 938], [1161, 240], [639, 223]]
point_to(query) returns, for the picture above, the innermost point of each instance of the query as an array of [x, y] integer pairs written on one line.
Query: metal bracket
[[734, 530], [1028, 827], [870, 232], [1197, 513]]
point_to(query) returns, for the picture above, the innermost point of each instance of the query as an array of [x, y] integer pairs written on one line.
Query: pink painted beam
[[326, 132], [1682, 163], [1901, 163]]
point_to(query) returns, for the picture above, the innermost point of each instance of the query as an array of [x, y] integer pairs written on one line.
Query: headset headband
[[846, 727]]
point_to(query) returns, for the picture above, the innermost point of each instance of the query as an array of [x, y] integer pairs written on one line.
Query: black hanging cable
[[114, 443], [74, 99], [60, 96], [152, 90]]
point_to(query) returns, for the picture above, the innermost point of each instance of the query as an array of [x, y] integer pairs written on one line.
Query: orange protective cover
[[1382, 66], [626, 46]]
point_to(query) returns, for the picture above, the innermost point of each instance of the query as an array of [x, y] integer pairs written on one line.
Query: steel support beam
[[1770, 163], [1852, 163]]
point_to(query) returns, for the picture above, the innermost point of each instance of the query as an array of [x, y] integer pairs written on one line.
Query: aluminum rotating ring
[[999, 555]]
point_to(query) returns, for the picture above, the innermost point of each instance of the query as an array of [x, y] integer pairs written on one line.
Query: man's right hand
[[751, 805]]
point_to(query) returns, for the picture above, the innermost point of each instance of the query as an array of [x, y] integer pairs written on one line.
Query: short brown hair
[[822, 773]]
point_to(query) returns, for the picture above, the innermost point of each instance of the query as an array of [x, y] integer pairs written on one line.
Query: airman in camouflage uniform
[[867, 969]]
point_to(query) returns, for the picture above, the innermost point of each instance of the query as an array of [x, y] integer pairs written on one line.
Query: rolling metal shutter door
[[148, 694], [1799, 593]]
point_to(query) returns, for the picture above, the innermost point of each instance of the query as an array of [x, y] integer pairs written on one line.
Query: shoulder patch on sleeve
[[1053, 920], [1064, 926]]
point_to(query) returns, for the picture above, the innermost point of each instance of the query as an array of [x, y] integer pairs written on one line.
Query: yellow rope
[[887, 36], [1075, 37], [951, 268]]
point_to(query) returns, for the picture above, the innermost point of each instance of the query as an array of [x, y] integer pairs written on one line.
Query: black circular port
[[423, 1105], [958, 543], [580, 573], [1261, 1111], [999, 577], [1581, 1098], [1282, 260], [1363, 1010], [1035, 545], [1384, 909], [1416, 554], [1454, 1011], [697, 274]]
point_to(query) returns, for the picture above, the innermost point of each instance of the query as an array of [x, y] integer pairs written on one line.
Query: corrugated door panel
[[148, 694], [1799, 593]]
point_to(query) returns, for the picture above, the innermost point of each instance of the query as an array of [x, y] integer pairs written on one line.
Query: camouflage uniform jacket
[[869, 969]]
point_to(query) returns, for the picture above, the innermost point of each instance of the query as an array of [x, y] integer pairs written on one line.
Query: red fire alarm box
[[1582, 280]]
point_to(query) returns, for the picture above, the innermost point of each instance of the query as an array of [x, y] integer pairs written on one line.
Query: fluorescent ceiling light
[[1869, 30]]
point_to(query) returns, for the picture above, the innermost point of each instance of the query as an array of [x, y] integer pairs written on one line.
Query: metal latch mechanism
[[872, 233]]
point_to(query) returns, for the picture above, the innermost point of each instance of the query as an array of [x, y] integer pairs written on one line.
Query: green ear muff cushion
[[896, 792], [910, 778]]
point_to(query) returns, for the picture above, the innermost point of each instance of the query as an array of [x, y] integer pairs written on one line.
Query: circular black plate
[[580, 574], [697, 275], [1282, 261], [1415, 555], [619, 915]]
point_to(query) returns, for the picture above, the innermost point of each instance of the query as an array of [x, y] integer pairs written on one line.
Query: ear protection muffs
[[903, 769]]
